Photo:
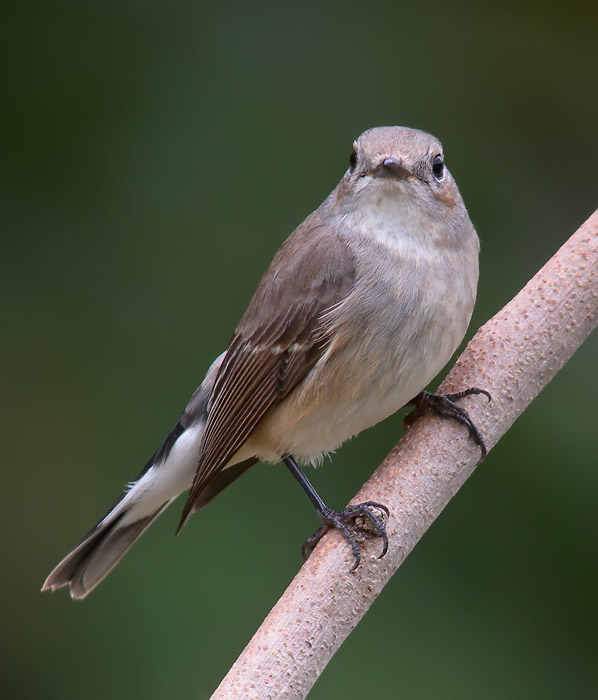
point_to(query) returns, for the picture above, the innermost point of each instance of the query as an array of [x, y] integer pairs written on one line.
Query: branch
[[513, 356]]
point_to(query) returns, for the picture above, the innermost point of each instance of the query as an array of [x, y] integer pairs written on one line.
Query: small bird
[[360, 308]]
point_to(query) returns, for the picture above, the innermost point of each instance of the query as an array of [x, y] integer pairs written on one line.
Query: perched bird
[[360, 308]]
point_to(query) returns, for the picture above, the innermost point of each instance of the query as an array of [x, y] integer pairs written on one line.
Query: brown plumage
[[360, 309], [279, 339]]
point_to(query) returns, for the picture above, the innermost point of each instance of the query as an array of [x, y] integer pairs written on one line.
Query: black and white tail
[[167, 474], [92, 560]]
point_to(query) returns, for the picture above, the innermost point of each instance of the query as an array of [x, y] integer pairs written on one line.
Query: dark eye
[[352, 161], [438, 167]]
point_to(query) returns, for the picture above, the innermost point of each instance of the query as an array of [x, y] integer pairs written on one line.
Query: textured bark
[[513, 356]]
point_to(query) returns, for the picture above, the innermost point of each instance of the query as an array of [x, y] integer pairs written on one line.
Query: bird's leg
[[444, 405], [344, 520]]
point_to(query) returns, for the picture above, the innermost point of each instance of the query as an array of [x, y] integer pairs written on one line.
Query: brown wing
[[277, 342]]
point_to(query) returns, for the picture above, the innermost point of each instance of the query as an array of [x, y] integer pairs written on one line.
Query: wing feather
[[277, 342]]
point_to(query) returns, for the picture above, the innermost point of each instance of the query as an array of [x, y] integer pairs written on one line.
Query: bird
[[360, 308]]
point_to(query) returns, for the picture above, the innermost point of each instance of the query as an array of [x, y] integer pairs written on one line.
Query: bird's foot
[[444, 405], [351, 520]]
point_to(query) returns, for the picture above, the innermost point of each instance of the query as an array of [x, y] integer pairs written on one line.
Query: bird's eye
[[438, 167], [352, 161]]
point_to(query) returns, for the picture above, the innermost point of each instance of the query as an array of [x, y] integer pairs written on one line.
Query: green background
[[154, 157]]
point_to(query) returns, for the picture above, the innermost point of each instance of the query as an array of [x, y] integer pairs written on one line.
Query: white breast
[[405, 317]]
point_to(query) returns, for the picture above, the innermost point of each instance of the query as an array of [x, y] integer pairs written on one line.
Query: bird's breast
[[405, 316]]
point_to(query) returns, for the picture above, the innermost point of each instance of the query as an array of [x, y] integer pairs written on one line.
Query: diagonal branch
[[513, 356]]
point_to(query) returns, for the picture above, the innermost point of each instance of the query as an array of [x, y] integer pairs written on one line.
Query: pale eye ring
[[438, 166]]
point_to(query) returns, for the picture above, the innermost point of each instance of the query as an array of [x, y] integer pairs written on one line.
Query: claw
[[346, 521], [472, 391], [444, 405]]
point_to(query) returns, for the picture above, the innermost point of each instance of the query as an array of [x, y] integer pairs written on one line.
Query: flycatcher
[[360, 308]]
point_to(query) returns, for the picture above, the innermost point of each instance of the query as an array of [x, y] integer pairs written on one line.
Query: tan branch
[[513, 356]]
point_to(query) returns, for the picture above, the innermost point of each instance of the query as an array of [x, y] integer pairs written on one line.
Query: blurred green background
[[155, 155]]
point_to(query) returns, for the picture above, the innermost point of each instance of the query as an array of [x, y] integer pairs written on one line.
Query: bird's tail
[[168, 473], [98, 553]]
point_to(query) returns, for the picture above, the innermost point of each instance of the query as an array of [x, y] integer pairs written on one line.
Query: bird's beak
[[392, 167]]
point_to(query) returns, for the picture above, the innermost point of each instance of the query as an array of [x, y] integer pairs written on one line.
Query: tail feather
[[166, 475], [99, 552]]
